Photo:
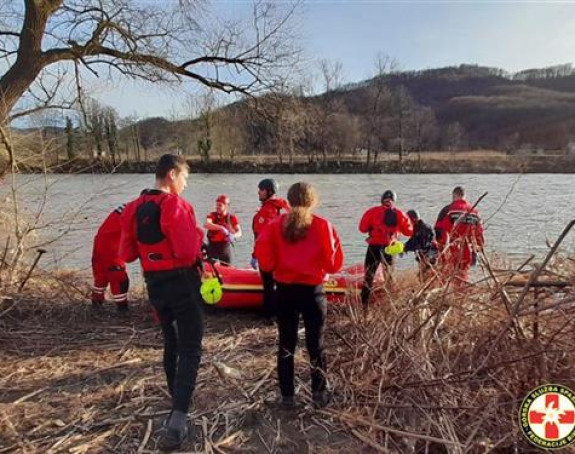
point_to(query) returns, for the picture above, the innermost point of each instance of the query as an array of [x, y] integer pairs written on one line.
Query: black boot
[[177, 431], [321, 399]]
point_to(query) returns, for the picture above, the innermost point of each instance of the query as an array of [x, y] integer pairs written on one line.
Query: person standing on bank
[[160, 229], [223, 230], [384, 223], [422, 243], [272, 207], [107, 266], [459, 231], [299, 249]]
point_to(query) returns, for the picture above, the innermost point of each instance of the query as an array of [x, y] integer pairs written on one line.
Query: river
[[521, 212]]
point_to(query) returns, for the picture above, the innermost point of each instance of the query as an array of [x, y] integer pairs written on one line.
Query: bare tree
[[154, 41], [93, 125], [205, 107], [230, 134], [425, 128], [331, 74], [331, 105], [111, 130], [454, 137], [70, 140], [403, 107], [378, 129]]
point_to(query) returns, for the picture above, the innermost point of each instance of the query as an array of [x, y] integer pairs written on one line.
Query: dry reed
[[426, 371]]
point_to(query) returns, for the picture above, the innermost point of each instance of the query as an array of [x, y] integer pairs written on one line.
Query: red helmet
[[223, 199]]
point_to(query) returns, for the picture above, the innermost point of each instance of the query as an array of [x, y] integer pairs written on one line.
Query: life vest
[[229, 221], [160, 229], [459, 220], [152, 243]]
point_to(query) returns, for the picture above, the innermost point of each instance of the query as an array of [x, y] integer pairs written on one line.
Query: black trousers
[[373, 257], [176, 297], [221, 251], [309, 301], [270, 296]]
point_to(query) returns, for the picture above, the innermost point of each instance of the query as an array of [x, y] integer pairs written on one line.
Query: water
[[521, 212]]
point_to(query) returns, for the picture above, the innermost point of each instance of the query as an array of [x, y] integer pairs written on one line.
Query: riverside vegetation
[[428, 370]]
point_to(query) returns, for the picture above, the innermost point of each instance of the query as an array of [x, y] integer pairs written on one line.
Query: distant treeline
[[402, 113]]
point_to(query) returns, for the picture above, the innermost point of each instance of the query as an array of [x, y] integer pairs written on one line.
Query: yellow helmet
[[394, 248], [211, 290]]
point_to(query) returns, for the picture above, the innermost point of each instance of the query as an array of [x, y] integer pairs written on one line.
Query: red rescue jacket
[[269, 210], [384, 223], [107, 240], [306, 261], [229, 221], [161, 230], [470, 228]]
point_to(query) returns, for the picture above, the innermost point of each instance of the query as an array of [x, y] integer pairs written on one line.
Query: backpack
[[148, 225]]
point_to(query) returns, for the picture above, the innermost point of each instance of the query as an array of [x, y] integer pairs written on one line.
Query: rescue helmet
[[211, 290], [269, 184], [388, 195], [413, 215], [394, 248], [223, 198]]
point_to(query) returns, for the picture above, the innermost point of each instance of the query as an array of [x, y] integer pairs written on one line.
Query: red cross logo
[[551, 417]]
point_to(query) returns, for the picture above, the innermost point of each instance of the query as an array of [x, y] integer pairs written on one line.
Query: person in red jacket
[[223, 229], [272, 207], [459, 231], [107, 266], [383, 223], [159, 228], [300, 249]]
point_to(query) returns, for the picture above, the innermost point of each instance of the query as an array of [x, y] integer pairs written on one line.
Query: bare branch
[[156, 43], [6, 33]]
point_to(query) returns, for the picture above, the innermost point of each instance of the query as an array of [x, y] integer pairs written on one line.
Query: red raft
[[242, 287]]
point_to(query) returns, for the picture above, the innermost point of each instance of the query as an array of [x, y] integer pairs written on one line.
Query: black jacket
[[422, 238]]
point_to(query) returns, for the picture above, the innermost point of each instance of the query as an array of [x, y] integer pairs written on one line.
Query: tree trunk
[[30, 61], [14, 84]]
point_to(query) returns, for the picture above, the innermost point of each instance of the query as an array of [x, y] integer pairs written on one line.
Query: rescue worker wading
[[460, 237], [300, 248], [160, 229], [383, 223], [223, 229], [107, 266], [422, 243], [272, 207]]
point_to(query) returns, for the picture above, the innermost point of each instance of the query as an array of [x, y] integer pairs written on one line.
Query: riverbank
[[428, 370], [432, 162]]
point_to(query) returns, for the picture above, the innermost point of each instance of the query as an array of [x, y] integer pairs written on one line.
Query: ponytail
[[302, 198]]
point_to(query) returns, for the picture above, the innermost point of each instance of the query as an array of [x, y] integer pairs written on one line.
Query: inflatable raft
[[242, 287]]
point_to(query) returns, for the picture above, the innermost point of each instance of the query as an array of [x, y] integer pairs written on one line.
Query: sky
[[511, 35]]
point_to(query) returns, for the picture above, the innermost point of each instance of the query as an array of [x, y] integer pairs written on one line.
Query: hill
[[395, 114], [497, 110]]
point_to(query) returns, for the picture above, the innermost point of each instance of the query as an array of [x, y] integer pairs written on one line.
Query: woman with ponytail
[[300, 249]]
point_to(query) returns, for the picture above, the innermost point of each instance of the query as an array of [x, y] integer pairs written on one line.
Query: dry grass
[[75, 380], [427, 371], [446, 369]]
